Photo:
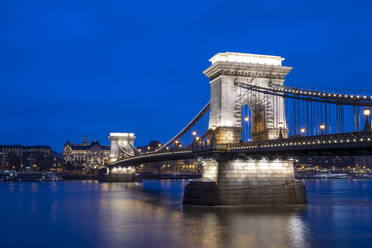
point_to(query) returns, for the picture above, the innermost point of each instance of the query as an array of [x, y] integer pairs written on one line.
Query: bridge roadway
[[357, 143]]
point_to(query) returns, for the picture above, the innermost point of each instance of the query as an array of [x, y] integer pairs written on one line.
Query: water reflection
[[151, 214], [155, 211], [249, 226]]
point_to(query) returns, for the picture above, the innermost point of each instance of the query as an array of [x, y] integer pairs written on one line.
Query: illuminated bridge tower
[[227, 178], [120, 142], [227, 99]]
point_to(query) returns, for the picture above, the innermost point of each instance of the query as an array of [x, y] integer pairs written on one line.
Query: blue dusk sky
[[76, 67]]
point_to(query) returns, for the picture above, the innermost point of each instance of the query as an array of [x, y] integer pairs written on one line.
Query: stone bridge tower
[[230, 178], [227, 99]]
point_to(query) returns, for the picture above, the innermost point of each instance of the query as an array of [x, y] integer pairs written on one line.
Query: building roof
[[26, 147], [87, 146]]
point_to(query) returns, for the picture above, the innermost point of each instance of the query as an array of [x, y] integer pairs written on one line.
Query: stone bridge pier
[[229, 180], [250, 182]]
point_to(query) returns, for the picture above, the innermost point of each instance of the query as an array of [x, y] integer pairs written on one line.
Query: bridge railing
[[344, 138]]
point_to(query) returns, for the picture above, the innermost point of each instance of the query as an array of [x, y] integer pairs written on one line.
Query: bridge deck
[[358, 143]]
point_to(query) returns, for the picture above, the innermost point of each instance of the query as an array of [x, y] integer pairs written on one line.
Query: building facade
[[36, 158], [85, 155]]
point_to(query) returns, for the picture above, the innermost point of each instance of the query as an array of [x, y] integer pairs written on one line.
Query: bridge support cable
[[324, 110], [330, 118], [307, 118], [338, 119], [294, 117], [359, 119], [286, 114], [124, 151], [186, 128], [310, 112], [354, 119], [311, 128], [333, 98], [135, 149]]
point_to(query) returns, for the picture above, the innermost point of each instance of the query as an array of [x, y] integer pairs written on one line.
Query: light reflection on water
[[151, 214]]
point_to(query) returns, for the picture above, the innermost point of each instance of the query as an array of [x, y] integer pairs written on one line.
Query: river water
[[151, 214]]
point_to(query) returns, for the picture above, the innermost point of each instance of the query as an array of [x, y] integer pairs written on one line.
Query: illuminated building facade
[[85, 155], [333, 163]]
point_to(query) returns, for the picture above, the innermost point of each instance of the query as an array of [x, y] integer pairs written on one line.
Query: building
[[311, 164], [36, 158], [85, 155]]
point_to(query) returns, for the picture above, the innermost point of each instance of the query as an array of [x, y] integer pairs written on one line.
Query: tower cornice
[[246, 70]]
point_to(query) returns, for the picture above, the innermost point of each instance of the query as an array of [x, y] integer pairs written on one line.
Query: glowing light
[[281, 124], [367, 112], [246, 119], [322, 126], [247, 58], [302, 130], [194, 133], [122, 134]]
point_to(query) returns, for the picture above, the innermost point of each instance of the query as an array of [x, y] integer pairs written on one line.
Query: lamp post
[[281, 126], [193, 137], [367, 114], [322, 127], [246, 120], [302, 130]]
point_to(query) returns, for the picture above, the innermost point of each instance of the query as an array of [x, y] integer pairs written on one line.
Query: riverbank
[[29, 176]]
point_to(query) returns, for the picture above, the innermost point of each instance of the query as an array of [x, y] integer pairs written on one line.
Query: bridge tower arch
[[227, 98]]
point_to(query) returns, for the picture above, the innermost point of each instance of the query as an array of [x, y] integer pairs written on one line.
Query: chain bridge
[[257, 124]]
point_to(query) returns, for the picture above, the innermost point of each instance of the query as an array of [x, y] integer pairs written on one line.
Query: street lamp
[[367, 114], [245, 127], [193, 133], [281, 126], [322, 127], [302, 130]]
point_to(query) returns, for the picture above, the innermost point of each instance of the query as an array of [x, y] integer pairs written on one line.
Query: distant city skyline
[[86, 68]]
